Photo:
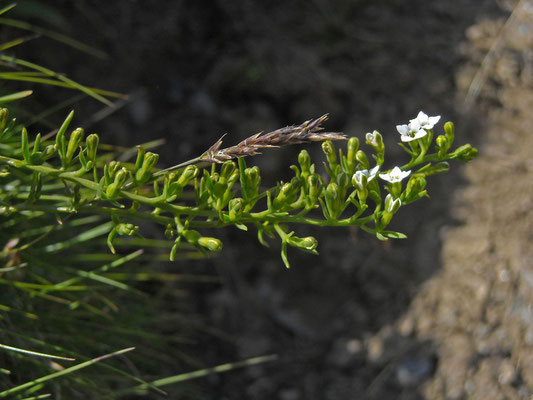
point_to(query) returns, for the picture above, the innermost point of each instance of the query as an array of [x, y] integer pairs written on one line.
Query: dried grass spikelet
[[307, 132]]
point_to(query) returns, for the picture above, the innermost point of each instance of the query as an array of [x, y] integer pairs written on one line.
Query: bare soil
[[447, 313]]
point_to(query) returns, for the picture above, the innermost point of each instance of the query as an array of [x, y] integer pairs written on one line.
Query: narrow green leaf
[[63, 372], [15, 96], [34, 353], [207, 371], [7, 8], [51, 34], [395, 235], [51, 73]]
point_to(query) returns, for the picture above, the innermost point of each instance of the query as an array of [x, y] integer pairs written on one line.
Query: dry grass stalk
[[307, 132]]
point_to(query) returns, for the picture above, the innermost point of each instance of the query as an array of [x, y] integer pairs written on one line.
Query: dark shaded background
[[196, 70]]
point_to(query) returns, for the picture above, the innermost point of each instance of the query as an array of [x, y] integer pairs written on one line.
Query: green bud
[[351, 161], [449, 130], [226, 171], [49, 151], [308, 243], [235, 208], [465, 153], [150, 159], [113, 190], [91, 144], [126, 229], [253, 179], [188, 173], [287, 194], [110, 170], [414, 189], [304, 159], [210, 243], [144, 173], [170, 231], [314, 190], [442, 146], [332, 200], [329, 151], [363, 160], [74, 142]]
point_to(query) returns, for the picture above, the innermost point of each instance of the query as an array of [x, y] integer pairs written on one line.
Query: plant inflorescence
[[70, 176]]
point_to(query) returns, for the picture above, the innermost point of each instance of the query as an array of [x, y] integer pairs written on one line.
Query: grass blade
[[15, 23], [53, 74], [15, 96], [206, 371], [63, 372], [35, 353]]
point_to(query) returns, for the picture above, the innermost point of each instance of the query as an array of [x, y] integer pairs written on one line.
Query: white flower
[[396, 175], [417, 127], [374, 139], [411, 131], [361, 178], [423, 121]]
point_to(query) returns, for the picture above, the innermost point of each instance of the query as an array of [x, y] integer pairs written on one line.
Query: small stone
[[507, 373]]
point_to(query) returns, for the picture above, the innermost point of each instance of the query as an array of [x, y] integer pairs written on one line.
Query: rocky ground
[[446, 313]]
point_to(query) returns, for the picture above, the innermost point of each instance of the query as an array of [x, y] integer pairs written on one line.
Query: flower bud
[[210, 243], [287, 194], [91, 144], [170, 231], [49, 151], [150, 159], [464, 153], [313, 184], [75, 139], [414, 189], [308, 243], [113, 190], [304, 159], [329, 151], [143, 174], [353, 147], [442, 146], [391, 204], [235, 208], [226, 171], [110, 171], [375, 140], [126, 229], [188, 173], [250, 186], [363, 160], [449, 130], [332, 200]]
